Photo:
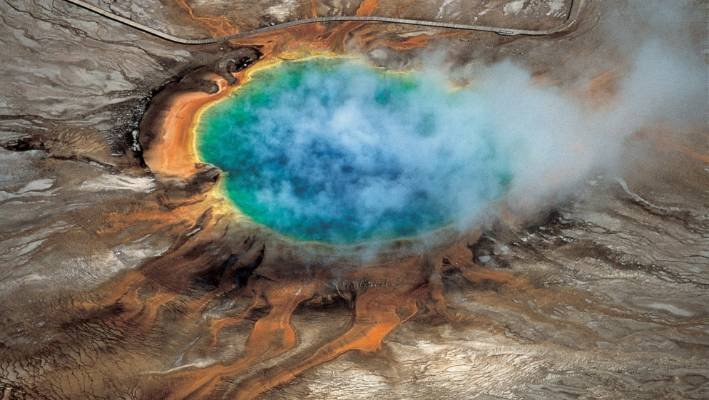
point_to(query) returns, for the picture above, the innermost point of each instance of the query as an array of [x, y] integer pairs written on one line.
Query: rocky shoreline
[[165, 129]]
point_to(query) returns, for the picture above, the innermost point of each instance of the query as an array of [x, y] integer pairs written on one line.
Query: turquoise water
[[337, 151]]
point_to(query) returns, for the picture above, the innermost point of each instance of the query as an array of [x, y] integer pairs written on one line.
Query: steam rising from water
[[336, 151]]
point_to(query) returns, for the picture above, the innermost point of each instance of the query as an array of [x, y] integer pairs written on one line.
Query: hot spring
[[337, 151]]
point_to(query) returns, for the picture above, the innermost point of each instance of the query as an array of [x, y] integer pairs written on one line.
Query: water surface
[[337, 151]]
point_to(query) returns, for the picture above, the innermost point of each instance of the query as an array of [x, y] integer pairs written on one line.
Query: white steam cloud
[[556, 138]]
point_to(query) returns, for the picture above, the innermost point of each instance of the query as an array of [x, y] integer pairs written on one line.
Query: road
[[571, 20]]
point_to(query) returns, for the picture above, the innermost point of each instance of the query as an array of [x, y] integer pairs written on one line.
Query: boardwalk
[[574, 12]]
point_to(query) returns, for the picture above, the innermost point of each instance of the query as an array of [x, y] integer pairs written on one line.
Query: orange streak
[[666, 143], [173, 153], [367, 7], [479, 275], [378, 312], [603, 86], [271, 336], [217, 26]]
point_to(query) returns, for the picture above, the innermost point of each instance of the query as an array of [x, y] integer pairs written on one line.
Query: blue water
[[337, 151]]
